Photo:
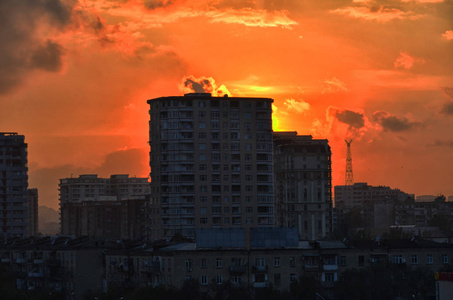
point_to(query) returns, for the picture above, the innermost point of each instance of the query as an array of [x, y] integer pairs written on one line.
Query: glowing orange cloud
[[406, 61], [382, 15], [253, 17], [448, 35]]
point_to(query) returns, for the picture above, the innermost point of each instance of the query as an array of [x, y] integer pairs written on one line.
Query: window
[[414, 259], [202, 146], [444, 259], [202, 156], [202, 135], [204, 263], [203, 177], [260, 261], [292, 262], [249, 220], [203, 199], [236, 279], [203, 220], [342, 260], [429, 259], [276, 261], [204, 279], [202, 167], [292, 277], [203, 210], [202, 125], [188, 263], [219, 279], [329, 277], [398, 259], [361, 260], [277, 279], [218, 263], [249, 209]]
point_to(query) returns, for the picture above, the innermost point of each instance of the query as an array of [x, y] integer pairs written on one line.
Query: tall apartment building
[[13, 185], [32, 211], [303, 184], [87, 203], [211, 163]]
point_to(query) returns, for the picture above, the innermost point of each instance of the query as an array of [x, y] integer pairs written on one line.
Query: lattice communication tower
[[349, 178]]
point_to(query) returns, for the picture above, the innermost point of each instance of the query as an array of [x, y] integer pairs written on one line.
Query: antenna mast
[[349, 179]]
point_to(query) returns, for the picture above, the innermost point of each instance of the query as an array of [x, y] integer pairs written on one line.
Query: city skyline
[[378, 72]]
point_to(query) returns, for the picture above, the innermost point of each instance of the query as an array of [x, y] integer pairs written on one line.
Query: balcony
[[330, 267], [259, 269], [237, 269], [35, 274], [328, 284], [20, 260], [261, 284]]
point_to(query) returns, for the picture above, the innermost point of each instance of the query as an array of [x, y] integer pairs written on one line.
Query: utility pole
[[349, 178]]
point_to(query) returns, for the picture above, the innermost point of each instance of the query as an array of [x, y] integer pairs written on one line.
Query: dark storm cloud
[[394, 123], [198, 85], [47, 57], [21, 50], [353, 119]]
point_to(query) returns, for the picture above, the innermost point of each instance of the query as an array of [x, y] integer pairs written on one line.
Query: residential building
[[114, 207], [85, 267], [211, 163], [59, 264], [14, 215], [32, 195], [303, 184], [374, 203]]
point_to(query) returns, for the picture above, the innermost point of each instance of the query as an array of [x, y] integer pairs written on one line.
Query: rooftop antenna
[[349, 179]]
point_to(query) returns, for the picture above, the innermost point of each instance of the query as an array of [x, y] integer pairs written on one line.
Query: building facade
[[114, 207], [211, 163], [303, 184], [14, 219], [376, 204], [32, 211]]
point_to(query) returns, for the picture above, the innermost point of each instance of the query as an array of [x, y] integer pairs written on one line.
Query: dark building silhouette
[[303, 184], [211, 163], [14, 214], [114, 207]]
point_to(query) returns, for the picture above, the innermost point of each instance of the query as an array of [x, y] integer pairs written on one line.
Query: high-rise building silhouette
[[211, 163], [303, 184], [13, 185]]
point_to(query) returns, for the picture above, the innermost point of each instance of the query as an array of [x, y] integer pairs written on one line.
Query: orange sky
[[75, 77]]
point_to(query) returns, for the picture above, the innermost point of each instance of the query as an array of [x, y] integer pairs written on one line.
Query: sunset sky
[[75, 77]]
